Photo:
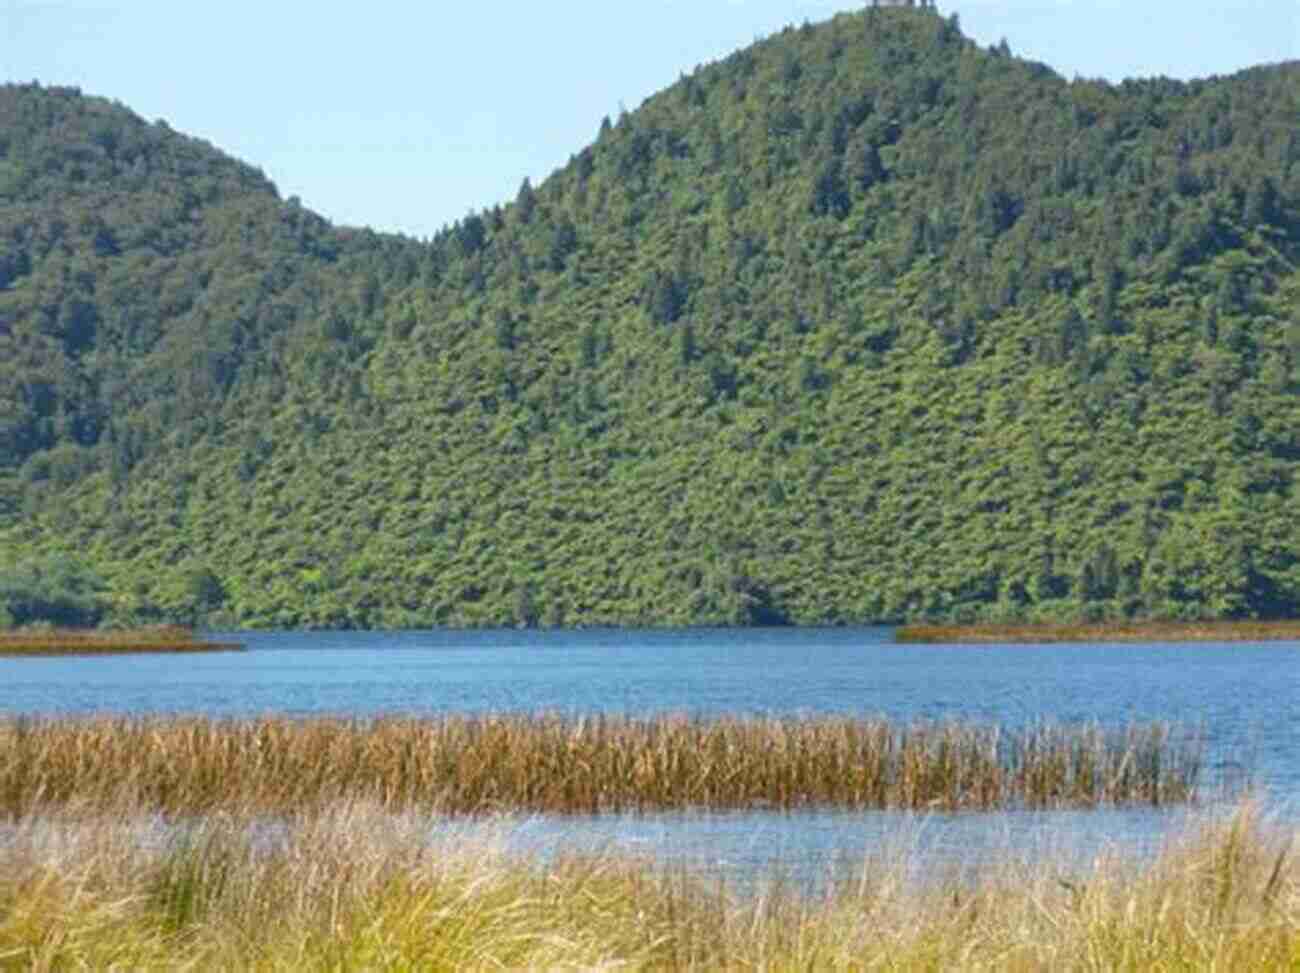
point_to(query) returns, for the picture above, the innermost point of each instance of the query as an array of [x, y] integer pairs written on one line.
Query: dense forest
[[862, 323]]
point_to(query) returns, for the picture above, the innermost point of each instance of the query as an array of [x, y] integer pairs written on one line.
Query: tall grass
[[585, 765], [356, 888]]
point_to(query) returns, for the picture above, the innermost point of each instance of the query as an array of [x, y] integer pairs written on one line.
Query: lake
[[1244, 697]]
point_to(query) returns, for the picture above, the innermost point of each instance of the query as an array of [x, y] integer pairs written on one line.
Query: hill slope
[[861, 323]]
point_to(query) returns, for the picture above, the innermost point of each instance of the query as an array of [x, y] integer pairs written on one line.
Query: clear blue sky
[[405, 115]]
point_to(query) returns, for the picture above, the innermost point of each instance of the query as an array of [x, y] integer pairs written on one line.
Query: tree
[[564, 242], [205, 590], [590, 347], [525, 202], [526, 612], [666, 295], [471, 233], [830, 194], [505, 329], [686, 350], [866, 167], [52, 590]]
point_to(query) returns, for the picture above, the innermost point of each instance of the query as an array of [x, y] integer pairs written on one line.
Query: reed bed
[[460, 765], [1136, 631], [356, 888], [63, 641]]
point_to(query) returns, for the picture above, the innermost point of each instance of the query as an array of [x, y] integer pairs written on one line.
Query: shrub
[[54, 590]]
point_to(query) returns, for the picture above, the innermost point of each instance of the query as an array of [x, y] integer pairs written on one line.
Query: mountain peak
[[862, 322]]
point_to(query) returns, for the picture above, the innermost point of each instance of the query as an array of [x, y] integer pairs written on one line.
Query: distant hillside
[[861, 323]]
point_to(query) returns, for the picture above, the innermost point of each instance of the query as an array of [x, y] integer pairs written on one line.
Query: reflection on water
[[812, 849]]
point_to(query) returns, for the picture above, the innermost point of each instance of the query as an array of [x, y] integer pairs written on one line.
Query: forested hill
[[861, 323]]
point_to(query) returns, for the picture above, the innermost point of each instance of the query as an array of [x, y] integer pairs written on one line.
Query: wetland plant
[[1101, 632], [90, 641], [354, 887], [463, 765]]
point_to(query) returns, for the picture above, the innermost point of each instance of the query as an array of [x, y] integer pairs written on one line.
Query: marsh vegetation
[[1147, 631], [353, 886], [90, 641], [584, 765]]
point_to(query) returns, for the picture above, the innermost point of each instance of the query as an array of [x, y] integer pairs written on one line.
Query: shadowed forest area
[[862, 323]]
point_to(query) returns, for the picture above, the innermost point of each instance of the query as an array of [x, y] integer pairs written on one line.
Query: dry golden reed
[[355, 888], [585, 765], [1134, 631], [61, 641]]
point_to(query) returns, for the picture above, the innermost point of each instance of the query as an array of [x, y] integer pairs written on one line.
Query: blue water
[[1244, 699]]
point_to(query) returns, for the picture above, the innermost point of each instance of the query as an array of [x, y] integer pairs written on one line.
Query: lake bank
[[351, 887], [1100, 632], [95, 642]]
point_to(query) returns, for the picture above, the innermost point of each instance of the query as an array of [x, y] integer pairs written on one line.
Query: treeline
[[861, 323]]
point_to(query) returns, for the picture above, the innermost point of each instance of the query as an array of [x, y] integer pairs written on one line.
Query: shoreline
[[170, 640], [350, 886], [1098, 632]]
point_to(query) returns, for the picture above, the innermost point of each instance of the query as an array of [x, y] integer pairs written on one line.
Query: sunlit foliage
[[860, 323]]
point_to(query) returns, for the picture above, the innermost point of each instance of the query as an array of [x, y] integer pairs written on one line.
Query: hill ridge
[[860, 323]]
